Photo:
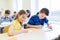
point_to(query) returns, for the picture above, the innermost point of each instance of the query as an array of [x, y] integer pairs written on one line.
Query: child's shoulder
[[34, 16], [13, 21]]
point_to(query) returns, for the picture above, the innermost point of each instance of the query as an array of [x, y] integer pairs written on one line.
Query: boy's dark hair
[[28, 11], [45, 10], [15, 12], [7, 11], [37, 13]]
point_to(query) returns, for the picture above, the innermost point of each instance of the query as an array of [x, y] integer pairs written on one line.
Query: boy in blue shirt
[[37, 21], [6, 17]]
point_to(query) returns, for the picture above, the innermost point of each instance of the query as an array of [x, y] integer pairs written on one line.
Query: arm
[[34, 26], [12, 32], [49, 26], [46, 21]]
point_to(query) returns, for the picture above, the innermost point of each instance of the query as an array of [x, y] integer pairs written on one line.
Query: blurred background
[[33, 5]]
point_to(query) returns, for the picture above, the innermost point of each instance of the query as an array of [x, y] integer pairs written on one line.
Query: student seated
[[16, 25], [6, 17], [14, 15], [38, 20]]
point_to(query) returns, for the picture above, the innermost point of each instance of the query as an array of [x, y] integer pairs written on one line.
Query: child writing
[[16, 25], [38, 20]]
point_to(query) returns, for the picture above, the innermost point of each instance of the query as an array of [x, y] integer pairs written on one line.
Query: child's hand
[[49, 26]]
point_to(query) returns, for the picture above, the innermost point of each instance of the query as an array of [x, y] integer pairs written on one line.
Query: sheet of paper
[[46, 29], [4, 24]]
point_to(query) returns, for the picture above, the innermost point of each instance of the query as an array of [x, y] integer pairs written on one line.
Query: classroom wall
[[26, 4], [8, 4], [5, 4]]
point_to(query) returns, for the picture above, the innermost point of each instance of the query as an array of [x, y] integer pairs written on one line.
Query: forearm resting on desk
[[12, 32], [34, 26], [49, 25], [15, 32]]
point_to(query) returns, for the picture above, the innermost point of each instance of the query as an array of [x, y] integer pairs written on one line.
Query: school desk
[[33, 34]]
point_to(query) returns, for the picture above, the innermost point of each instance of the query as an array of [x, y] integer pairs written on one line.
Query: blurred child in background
[[6, 17], [28, 13], [28, 17], [14, 15]]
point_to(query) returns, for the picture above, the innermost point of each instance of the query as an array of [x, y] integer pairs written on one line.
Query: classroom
[[29, 20]]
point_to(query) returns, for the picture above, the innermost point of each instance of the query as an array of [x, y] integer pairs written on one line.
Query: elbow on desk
[[10, 34]]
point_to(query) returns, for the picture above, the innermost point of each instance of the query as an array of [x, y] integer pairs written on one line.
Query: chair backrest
[[6, 28]]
